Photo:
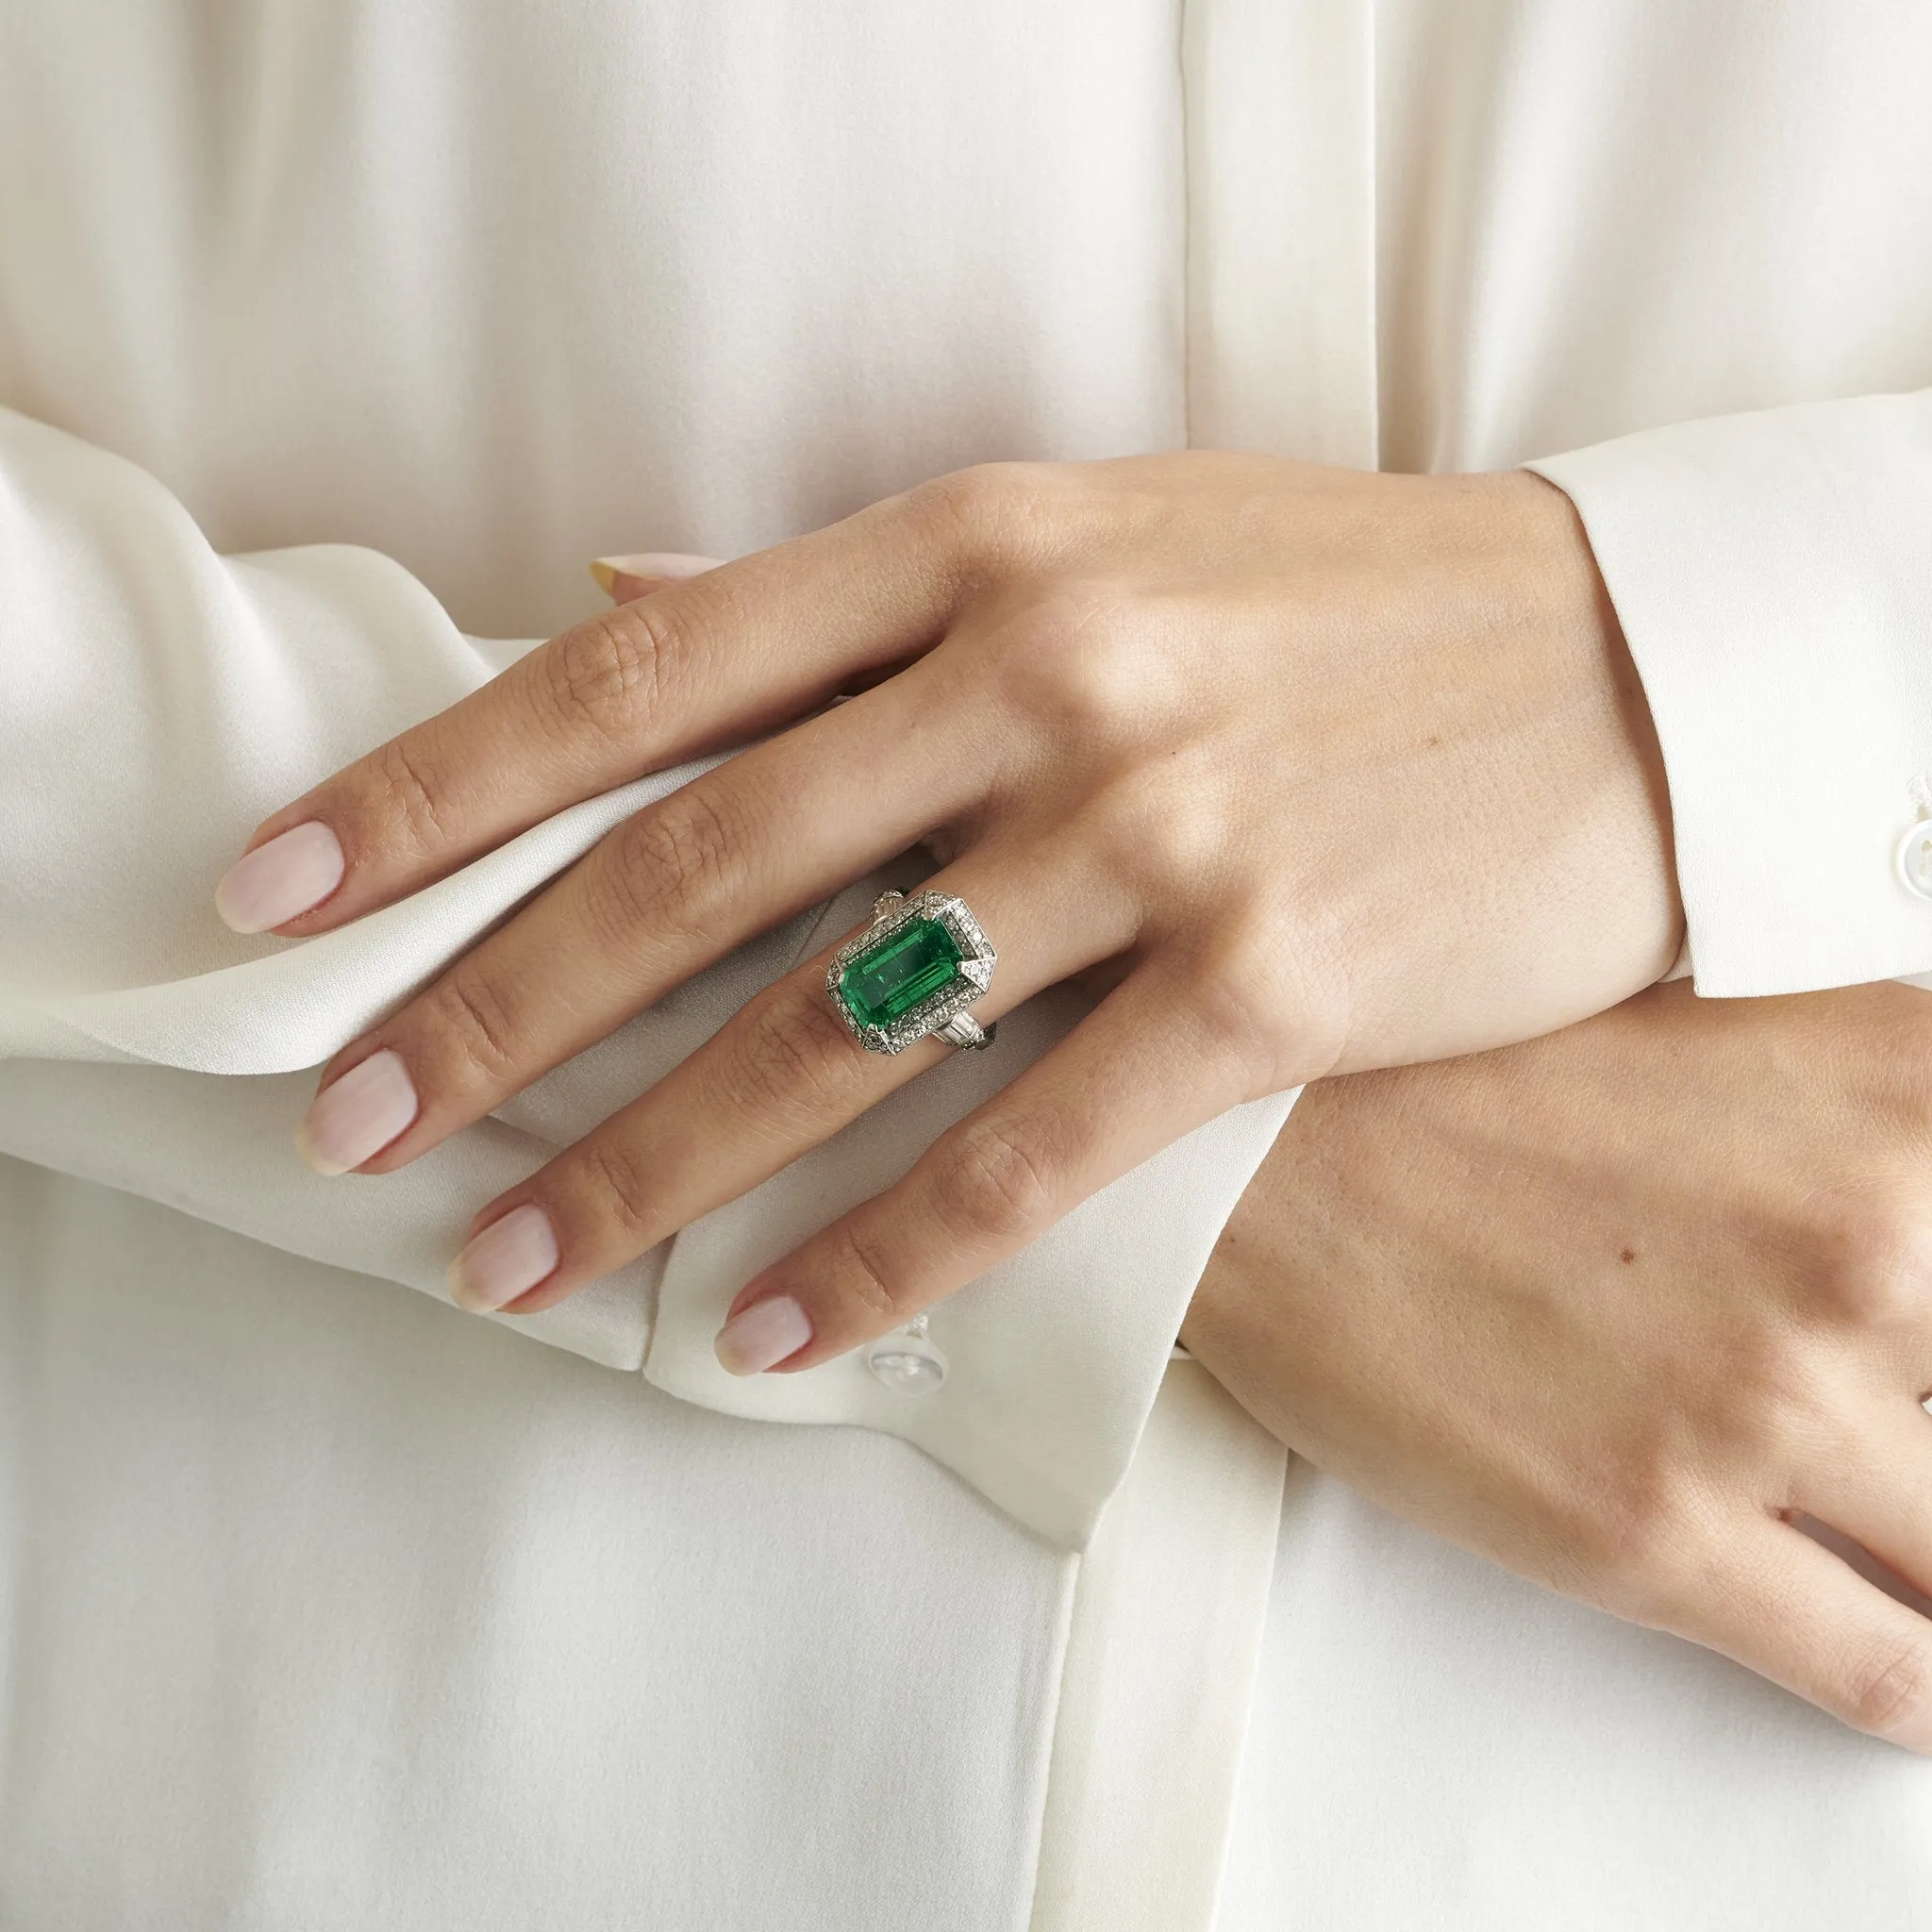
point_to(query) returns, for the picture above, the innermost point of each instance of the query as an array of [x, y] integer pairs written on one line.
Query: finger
[[1779, 1605], [781, 1076], [1876, 1490], [703, 663], [1137, 1073], [664, 894]]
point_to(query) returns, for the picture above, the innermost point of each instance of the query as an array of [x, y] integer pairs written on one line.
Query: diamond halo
[[893, 913]]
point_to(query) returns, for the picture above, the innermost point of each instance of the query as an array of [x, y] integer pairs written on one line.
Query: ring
[[912, 973]]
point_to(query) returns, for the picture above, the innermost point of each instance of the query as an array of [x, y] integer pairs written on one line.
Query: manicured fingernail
[[358, 1114], [763, 1335], [295, 871], [648, 564], [508, 1258]]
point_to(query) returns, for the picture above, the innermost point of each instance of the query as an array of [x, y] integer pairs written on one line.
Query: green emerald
[[901, 971]]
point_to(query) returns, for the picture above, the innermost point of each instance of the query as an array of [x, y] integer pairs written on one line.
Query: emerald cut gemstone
[[900, 972]]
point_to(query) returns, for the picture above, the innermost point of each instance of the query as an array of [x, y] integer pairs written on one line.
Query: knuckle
[[976, 515], [1237, 969], [608, 674], [1875, 1260], [798, 1060], [1890, 1692], [410, 795], [1073, 663], [675, 864], [467, 1013], [615, 1185], [1182, 831], [996, 1183], [858, 1265], [1246, 977]]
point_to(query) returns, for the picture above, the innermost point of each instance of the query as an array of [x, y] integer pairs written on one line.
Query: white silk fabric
[[158, 699], [325, 1605]]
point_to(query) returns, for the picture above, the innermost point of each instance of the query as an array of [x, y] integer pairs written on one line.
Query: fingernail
[[295, 871], [508, 1258], [358, 1114], [763, 1334], [647, 565]]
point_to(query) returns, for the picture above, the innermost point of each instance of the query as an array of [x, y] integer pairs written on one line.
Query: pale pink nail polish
[[651, 565], [508, 1258], [358, 1114], [763, 1335], [295, 870]]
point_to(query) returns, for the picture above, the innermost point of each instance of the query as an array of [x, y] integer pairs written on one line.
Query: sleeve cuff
[[163, 698], [1773, 574]]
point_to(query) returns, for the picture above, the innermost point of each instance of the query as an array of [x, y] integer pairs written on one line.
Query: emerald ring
[[912, 973]]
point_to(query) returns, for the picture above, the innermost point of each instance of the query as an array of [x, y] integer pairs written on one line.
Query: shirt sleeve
[[1773, 574], [156, 700]]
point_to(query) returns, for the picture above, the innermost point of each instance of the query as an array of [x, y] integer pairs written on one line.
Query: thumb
[[628, 578]]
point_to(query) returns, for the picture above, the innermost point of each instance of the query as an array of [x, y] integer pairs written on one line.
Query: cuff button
[[907, 1361], [1913, 859]]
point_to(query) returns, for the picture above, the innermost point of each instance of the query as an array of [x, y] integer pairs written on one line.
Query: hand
[[1324, 769], [1616, 1309]]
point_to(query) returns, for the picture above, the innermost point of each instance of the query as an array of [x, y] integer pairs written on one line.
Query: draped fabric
[[155, 700], [333, 338]]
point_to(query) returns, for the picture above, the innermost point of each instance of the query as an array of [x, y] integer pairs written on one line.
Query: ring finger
[[780, 1077]]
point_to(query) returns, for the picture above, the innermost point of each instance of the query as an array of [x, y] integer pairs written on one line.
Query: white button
[[907, 1360], [1914, 860]]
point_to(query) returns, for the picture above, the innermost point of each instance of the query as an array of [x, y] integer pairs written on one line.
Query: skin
[[1312, 771], [1617, 1309]]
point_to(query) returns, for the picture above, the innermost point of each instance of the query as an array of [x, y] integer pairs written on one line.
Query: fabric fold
[[156, 700]]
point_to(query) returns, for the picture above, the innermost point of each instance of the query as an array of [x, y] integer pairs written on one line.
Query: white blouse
[[329, 1606]]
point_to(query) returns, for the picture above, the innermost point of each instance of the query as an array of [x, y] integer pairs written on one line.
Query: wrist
[[1621, 793]]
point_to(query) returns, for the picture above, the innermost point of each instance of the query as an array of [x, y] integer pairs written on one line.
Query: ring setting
[[912, 973]]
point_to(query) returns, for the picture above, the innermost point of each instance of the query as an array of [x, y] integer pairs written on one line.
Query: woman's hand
[[1615, 1308], [1324, 769]]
